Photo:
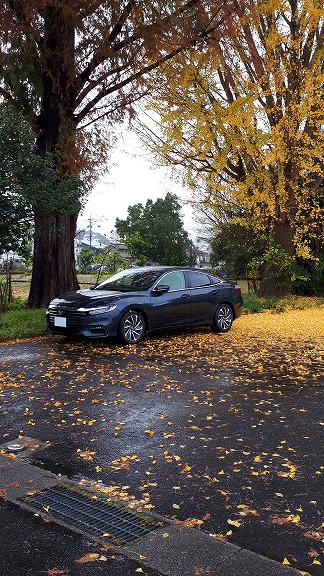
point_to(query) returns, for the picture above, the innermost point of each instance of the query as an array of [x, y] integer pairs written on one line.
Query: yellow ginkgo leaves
[[235, 523], [91, 557]]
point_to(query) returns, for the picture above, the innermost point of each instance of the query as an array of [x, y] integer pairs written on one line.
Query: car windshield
[[130, 281]]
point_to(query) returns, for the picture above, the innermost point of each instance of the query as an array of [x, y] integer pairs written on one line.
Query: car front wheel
[[223, 318], [131, 327]]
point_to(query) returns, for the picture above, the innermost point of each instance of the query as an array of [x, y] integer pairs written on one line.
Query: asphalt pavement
[[232, 463]]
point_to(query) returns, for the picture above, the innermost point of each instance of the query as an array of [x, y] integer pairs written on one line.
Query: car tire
[[131, 328], [223, 318]]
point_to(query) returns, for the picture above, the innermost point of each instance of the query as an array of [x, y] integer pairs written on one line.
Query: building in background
[[99, 244], [203, 248]]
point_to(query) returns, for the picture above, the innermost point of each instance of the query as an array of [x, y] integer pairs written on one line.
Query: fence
[[17, 286]]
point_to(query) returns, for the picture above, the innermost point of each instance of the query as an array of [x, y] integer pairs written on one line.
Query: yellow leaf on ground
[[293, 518], [234, 523], [88, 558], [149, 432]]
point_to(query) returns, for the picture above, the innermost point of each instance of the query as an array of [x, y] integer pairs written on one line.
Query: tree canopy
[[68, 65], [155, 232], [19, 174], [244, 117]]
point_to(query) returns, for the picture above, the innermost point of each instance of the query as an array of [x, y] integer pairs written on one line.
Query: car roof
[[166, 268]]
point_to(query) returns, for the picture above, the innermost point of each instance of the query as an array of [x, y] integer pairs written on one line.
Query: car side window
[[197, 279], [175, 280]]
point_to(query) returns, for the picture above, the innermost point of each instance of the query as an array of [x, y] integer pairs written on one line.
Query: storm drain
[[97, 517]]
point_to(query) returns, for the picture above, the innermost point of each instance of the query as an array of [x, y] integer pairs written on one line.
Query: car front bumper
[[74, 323]]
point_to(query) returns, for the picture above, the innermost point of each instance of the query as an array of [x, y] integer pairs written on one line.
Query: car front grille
[[72, 317]]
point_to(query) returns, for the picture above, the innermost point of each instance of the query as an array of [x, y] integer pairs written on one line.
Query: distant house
[[203, 248], [11, 259], [97, 243]]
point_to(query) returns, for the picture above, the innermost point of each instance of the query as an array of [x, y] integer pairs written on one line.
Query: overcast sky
[[130, 180]]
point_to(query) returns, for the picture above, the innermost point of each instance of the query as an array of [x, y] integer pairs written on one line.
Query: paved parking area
[[217, 436]]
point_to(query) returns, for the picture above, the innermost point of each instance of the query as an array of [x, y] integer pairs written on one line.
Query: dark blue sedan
[[139, 300]]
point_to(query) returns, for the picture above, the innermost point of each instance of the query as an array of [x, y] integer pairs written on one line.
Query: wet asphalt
[[234, 454]]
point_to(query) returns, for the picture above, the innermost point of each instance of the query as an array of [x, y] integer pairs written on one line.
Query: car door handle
[[185, 295]]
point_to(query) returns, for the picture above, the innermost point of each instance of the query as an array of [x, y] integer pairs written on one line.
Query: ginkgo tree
[[244, 118], [69, 65]]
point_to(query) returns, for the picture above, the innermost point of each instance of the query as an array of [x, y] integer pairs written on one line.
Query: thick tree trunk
[[282, 234], [54, 261]]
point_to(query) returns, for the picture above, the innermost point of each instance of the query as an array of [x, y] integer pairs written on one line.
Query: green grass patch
[[19, 323]]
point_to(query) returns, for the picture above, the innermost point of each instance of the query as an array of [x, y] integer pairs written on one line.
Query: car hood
[[89, 298]]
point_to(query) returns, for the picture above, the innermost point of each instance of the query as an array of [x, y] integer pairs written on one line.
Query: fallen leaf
[[293, 518], [186, 469], [88, 558], [235, 523]]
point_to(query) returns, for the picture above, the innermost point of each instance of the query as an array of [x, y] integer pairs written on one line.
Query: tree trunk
[[282, 234], [54, 261]]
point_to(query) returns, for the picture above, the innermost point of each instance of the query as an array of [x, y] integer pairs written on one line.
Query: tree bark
[[54, 261], [281, 234]]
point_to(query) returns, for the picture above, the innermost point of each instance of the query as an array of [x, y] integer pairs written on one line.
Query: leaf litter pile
[[220, 432]]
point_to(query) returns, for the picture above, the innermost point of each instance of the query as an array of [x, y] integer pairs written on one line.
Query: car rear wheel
[[223, 318], [131, 327]]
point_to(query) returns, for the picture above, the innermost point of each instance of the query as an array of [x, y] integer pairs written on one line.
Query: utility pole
[[90, 236]]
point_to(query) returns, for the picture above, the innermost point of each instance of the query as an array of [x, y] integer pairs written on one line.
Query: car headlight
[[101, 310], [54, 303]]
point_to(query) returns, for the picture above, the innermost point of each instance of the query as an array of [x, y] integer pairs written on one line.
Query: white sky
[[131, 180]]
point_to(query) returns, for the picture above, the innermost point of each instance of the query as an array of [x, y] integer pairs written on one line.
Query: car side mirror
[[161, 289]]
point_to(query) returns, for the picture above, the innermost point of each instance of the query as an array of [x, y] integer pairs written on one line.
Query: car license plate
[[59, 321]]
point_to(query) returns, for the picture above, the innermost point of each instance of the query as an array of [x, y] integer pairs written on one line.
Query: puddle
[[17, 355]]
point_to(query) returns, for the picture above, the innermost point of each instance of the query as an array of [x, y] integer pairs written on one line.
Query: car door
[[204, 296], [173, 307]]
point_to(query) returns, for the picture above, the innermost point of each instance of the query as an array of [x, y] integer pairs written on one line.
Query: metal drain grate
[[97, 518]]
